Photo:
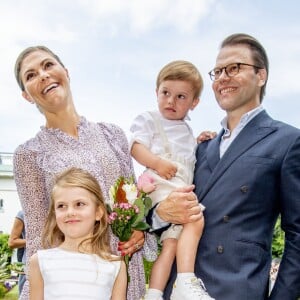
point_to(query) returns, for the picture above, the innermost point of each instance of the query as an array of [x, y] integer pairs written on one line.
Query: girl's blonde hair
[[99, 241]]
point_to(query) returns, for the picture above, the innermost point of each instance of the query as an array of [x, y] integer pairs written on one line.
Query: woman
[[66, 140]]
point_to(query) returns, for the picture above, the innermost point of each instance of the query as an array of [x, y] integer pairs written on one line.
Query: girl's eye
[[80, 204], [60, 206]]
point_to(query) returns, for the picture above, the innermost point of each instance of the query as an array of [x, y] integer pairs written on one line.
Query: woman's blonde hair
[[99, 241]]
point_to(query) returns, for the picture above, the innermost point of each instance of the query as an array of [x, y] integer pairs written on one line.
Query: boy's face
[[175, 98]]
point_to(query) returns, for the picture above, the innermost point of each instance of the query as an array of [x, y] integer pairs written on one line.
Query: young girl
[[80, 265]]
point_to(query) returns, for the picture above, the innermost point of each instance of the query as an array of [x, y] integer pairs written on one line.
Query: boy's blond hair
[[181, 70]]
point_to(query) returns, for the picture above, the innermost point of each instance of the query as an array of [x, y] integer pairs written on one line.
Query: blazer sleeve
[[287, 284]]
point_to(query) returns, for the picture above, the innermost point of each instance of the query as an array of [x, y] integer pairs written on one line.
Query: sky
[[114, 49]]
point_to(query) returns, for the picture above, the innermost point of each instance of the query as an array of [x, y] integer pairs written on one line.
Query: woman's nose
[[44, 75]]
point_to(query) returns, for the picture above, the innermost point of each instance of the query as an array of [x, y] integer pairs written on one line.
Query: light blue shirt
[[227, 138]]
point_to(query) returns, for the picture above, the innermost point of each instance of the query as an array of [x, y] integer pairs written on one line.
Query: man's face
[[240, 93]]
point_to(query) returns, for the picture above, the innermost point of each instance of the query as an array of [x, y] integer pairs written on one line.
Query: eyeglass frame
[[239, 64]]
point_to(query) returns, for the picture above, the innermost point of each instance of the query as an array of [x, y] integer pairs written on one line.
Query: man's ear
[[195, 103], [27, 97], [263, 76]]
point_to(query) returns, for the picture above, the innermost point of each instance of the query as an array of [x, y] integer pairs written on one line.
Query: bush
[[278, 240], [4, 249]]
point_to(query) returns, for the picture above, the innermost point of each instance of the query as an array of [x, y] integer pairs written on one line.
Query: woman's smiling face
[[45, 80]]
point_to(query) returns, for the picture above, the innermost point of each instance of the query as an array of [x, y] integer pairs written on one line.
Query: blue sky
[[114, 49]]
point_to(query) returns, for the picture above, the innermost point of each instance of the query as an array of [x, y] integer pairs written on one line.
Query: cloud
[[149, 15]]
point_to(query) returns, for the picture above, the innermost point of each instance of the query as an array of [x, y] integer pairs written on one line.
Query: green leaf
[[141, 226]]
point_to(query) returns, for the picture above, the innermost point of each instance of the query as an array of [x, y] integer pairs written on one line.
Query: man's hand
[[180, 207]]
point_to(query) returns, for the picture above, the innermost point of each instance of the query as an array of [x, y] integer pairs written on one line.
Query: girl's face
[[76, 212], [175, 98], [46, 81]]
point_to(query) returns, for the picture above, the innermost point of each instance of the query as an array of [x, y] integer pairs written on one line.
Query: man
[[245, 177]]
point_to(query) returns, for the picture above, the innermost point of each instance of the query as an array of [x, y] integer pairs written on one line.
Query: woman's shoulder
[[31, 145]]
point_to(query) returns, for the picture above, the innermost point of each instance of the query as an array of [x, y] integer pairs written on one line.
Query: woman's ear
[[27, 97]]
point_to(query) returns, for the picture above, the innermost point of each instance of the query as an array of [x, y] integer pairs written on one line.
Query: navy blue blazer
[[257, 178]]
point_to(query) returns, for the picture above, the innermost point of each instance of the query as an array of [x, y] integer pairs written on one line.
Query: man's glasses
[[230, 70]]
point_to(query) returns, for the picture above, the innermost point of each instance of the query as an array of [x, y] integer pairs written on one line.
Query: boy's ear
[[27, 97], [195, 103]]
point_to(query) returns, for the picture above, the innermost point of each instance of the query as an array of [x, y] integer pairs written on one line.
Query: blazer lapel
[[213, 151], [254, 131]]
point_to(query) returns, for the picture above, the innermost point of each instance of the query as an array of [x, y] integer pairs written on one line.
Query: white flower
[[131, 192]]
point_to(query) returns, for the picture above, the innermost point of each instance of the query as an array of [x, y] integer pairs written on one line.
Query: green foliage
[[278, 240], [4, 268], [148, 267], [4, 249]]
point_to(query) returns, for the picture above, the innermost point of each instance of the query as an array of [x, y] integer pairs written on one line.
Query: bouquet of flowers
[[129, 205]]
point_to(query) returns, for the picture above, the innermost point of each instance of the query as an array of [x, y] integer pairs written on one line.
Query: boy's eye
[[181, 97]]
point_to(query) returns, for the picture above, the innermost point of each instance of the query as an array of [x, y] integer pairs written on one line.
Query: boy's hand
[[205, 136], [166, 169]]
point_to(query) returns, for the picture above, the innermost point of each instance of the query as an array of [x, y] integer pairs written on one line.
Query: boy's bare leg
[[187, 246], [162, 267]]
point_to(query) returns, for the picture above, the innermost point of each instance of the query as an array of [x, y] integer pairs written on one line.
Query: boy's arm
[[120, 285], [36, 282], [146, 158]]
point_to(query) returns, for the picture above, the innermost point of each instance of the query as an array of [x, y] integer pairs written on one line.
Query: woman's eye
[[29, 76], [48, 64]]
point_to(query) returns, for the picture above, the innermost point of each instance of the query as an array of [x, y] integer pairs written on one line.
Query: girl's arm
[[36, 282], [120, 286]]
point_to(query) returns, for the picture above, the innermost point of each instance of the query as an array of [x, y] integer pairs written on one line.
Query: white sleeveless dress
[[73, 275]]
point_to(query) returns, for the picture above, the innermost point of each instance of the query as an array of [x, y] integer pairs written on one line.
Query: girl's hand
[[134, 244], [205, 136]]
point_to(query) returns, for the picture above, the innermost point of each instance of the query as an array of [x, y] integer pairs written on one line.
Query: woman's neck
[[65, 121]]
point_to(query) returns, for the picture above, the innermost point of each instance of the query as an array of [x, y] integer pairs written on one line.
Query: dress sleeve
[[32, 194]]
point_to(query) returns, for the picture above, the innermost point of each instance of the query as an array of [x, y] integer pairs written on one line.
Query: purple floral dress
[[101, 149]]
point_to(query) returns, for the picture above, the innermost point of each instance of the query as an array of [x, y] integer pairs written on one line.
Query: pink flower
[[146, 183]]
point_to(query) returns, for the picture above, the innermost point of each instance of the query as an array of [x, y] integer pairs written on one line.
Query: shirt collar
[[244, 119]]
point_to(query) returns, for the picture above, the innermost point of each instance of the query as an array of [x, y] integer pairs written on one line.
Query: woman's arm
[[15, 240], [120, 286], [36, 282]]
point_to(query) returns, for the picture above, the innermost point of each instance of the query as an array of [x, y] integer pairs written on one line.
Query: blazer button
[[244, 189], [226, 219], [220, 249]]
